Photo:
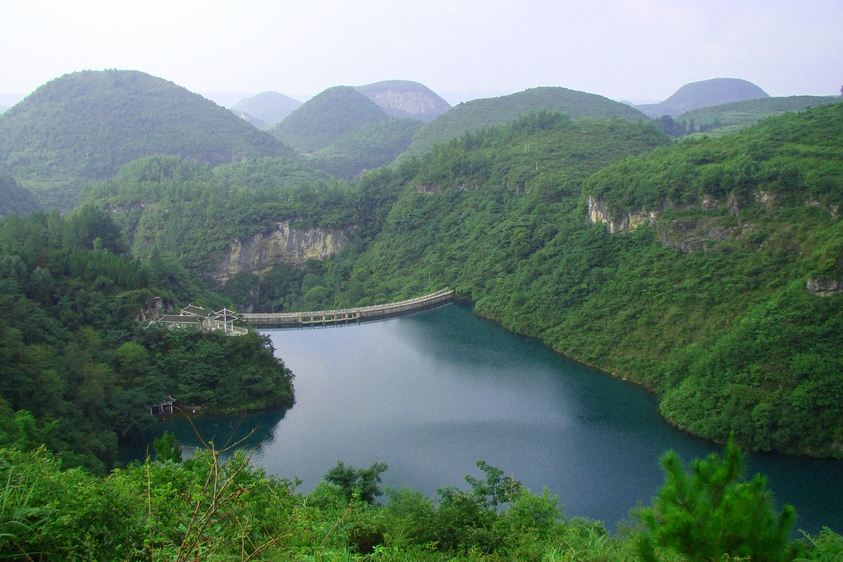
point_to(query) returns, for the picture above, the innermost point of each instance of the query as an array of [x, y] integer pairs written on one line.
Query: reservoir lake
[[434, 392]]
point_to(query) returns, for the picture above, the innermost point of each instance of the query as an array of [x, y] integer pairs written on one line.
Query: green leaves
[[710, 513]]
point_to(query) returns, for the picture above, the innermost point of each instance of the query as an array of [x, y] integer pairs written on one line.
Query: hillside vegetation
[[14, 198], [370, 146], [473, 115], [268, 107], [325, 118], [744, 113], [695, 95], [83, 127], [80, 369], [207, 508], [717, 305]]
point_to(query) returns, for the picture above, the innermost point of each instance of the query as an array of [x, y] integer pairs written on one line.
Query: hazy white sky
[[623, 49]]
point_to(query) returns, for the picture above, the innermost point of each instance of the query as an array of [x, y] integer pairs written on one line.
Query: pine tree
[[710, 514]]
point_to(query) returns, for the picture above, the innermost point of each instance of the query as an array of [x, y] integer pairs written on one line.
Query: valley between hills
[[693, 246]]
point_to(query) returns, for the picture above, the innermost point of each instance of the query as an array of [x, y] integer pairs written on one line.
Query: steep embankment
[[473, 115], [263, 222], [695, 95], [82, 127], [719, 287], [406, 99]]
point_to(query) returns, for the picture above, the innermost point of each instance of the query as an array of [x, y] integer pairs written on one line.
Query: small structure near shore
[[164, 408], [204, 319]]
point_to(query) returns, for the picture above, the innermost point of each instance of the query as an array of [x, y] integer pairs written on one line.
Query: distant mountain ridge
[[83, 127], [268, 107], [406, 99], [473, 115], [695, 95]]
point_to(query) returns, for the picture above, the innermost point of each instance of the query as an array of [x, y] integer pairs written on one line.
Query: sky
[[639, 50]]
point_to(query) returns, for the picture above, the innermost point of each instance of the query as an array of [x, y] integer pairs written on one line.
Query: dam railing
[[347, 314]]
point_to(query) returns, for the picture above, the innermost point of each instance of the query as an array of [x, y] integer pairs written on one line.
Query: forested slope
[[741, 114], [370, 146], [326, 118], [470, 116], [80, 369], [14, 198], [713, 301], [83, 127]]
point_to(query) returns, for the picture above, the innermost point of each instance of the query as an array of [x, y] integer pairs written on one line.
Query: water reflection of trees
[[222, 430]]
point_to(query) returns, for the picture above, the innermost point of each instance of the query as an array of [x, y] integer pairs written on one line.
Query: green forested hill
[[83, 126], [695, 95], [370, 146], [327, 117], [740, 114], [470, 116], [80, 366], [14, 198]]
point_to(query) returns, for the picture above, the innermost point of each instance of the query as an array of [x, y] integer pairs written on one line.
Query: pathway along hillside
[[347, 314]]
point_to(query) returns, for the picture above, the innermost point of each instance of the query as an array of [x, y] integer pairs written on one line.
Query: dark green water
[[432, 393]]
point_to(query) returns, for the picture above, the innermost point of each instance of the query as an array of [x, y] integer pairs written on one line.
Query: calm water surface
[[432, 393]]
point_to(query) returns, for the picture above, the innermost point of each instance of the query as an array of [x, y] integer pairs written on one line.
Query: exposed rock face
[[626, 222], [403, 98], [825, 288], [258, 254], [691, 235], [417, 105]]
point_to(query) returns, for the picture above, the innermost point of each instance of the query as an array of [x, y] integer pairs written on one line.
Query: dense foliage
[[79, 371], [183, 209], [473, 115], [208, 508], [745, 113], [370, 146], [14, 198], [84, 126], [327, 117]]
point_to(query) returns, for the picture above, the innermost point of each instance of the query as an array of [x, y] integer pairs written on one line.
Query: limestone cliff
[[402, 98], [625, 222], [258, 254]]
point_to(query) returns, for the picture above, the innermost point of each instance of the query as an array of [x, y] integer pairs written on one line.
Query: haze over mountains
[[716, 91], [82, 127], [268, 107]]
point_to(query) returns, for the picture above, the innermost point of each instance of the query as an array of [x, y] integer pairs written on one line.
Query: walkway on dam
[[322, 317]]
